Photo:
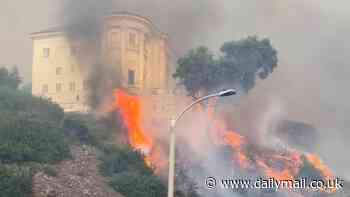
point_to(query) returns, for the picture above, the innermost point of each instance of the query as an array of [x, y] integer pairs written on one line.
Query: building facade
[[131, 44]]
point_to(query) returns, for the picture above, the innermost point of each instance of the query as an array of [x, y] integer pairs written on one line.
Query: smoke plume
[[182, 19], [83, 20], [312, 39]]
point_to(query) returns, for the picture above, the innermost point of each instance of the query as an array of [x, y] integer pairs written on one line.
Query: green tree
[[196, 70], [27, 88], [239, 65], [11, 78]]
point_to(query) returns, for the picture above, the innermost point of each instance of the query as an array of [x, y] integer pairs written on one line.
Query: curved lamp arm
[[224, 93]]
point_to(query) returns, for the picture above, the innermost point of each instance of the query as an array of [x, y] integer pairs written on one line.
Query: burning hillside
[[246, 157], [241, 63]]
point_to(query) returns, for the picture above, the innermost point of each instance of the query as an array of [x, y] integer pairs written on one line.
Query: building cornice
[[47, 33], [60, 31]]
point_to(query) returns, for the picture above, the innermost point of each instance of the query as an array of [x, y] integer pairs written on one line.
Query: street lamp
[[171, 176]]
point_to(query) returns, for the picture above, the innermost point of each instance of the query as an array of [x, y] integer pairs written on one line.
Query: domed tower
[[139, 52], [129, 43]]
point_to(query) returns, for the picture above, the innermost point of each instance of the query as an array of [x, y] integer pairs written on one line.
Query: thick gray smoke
[[311, 80], [186, 21], [312, 39], [181, 19]]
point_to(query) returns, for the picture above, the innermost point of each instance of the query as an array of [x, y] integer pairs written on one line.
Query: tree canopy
[[11, 78], [239, 64]]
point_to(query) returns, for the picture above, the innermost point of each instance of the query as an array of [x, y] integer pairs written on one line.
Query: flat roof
[[50, 30]]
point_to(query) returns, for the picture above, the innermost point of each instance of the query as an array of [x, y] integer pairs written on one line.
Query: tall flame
[[130, 108]]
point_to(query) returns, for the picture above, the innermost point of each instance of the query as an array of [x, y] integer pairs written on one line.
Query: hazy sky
[[18, 19]]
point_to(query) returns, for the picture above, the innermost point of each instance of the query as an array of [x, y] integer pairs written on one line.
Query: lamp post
[[171, 175]]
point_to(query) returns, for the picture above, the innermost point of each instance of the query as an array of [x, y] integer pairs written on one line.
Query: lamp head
[[228, 92]]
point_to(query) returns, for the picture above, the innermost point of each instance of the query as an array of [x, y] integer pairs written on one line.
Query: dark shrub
[[26, 105], [116, 160], [23, 140], [15, 181], [133, 184], [97, 131], [75, 129]]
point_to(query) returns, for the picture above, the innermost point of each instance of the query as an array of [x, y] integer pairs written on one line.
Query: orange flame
[[319, 165], [289, 162], [130, 109]]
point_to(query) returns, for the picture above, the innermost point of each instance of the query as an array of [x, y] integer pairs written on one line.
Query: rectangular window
[[131, 77], [72, 87], [146, 51], [115, 39], [132, 40], [46, 52], [59, 70], [45, 89], [59, 87]]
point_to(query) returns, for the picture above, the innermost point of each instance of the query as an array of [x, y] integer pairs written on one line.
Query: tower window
[[72, 87], [59, 70], [46, 52], [115, 39], [58, 87], [132, 40], [131, 77]]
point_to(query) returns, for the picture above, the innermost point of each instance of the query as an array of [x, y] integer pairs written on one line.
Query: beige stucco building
[[130, 43]]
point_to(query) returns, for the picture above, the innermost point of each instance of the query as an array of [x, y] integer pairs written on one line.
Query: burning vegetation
[[246, 157], [130, 108]]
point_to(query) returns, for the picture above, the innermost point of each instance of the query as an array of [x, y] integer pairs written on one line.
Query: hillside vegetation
[[29, 136], [35, 134]]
